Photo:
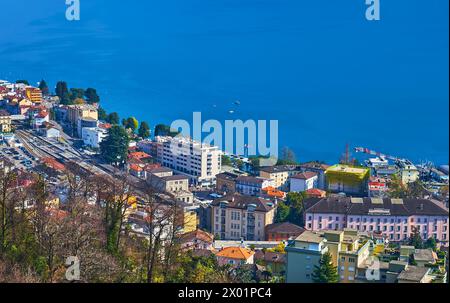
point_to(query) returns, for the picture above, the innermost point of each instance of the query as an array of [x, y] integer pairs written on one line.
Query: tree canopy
[[287, 157], [113, 118], [23, 82], [114, 148], [131, 123], [91, 95], [44, 87], [144, 130], [325, 272], [62, 92], [164, 130]]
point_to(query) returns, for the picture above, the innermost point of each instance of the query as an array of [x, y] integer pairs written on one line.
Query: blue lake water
[[319, 67]]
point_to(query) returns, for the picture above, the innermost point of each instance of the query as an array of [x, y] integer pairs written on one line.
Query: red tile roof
[[315, 192], [235, 253]]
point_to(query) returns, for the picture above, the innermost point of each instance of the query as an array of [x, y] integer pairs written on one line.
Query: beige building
[[81, 111], [5, 121], [163, 180], [280, 174], [408, 172], [236, 217]]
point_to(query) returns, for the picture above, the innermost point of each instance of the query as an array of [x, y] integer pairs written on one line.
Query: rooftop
[[425, 255], [235, 253], [305, 176], [278, 168], [310, 237], [413, 273], [284, 227], [237, 200], [340, 168], [366, 206]]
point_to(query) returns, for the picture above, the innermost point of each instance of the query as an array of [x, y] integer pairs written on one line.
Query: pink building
[[395, 219]]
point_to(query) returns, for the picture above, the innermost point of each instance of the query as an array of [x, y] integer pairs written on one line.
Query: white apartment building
[[200, 162], [92, 136]]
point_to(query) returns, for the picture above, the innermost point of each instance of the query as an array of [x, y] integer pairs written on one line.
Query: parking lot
[[18, 155]]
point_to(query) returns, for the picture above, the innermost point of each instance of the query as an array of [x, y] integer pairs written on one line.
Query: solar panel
[[356, 200], [397, 201], [376, 201]]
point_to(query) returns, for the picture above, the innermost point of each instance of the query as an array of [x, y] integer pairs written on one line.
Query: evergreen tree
[[102, 115], [287, 157], [282, 213], [44, 87], [114, 148], [113, 118], [295, 202], [76, 93], [431, 243], [325, 272], [62, 92], [91, 95], [23, 82], [415, 239], [144, 130]]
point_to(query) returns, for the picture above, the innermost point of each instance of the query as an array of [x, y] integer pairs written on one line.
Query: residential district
[[76, 180]]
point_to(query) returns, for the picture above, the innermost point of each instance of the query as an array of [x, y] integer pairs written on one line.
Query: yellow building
[[347, 179], [34, 94], [5, 121], [81, 111], [189, 221]]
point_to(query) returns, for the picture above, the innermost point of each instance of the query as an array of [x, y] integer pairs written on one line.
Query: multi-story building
[[5, 121], [34, 94], [303, 181], [82, 115], [279, 174], [395, 219], [283, 231], [200, 162], [93, 136], [165, 181], [348, 251], [252, 186], [236, 217], [347, 179], [408, 172], [78, 111], [226, 182], [319, 169]]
